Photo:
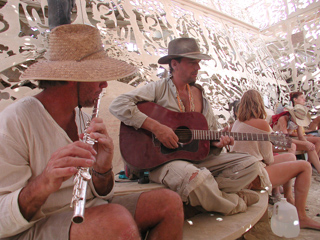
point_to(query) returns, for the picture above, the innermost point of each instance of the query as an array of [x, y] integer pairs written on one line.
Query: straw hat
[[76, 54], [183, 47], [300, 115]]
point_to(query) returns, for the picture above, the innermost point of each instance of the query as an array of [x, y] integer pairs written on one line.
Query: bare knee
[[172, 203], [306, 167], [162, 206], [123, 221], [285, 157], [291, 157], [110, 220]]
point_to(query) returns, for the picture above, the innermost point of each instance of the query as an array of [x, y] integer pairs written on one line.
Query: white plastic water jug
[[284, 220]]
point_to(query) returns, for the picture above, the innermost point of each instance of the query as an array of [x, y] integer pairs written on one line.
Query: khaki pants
[[217, 180]]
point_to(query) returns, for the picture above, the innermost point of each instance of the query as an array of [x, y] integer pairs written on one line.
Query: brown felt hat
[[76, 54], [183, 47]]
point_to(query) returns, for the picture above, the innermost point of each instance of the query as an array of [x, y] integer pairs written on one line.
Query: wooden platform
[[216, 226], [208, 226]]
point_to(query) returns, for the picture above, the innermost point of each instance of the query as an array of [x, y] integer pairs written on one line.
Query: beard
[[89, 102]]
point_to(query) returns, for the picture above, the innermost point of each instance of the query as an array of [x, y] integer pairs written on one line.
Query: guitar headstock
[[280, 140]]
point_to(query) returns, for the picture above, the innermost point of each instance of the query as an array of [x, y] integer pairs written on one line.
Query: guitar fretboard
[[215, 135]]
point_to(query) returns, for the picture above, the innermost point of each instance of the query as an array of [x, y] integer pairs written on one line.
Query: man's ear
[[174, 63]]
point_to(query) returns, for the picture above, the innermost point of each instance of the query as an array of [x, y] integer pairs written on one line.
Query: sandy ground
[[262, 230]]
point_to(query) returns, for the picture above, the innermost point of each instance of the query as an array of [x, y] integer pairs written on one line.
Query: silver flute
[[83, 175]]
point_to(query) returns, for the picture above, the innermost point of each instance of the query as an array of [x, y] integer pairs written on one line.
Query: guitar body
[[140, 150]]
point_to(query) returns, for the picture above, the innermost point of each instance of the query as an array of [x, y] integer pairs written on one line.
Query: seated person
[[218, 182], [274, 171], [300, 98], [41, 151], [297, 98], [295, 119], [287, 187]]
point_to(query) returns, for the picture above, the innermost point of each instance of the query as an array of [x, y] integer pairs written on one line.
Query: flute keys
[[86, 176]]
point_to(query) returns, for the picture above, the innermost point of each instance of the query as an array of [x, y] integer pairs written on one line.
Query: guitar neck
[[215, 135]]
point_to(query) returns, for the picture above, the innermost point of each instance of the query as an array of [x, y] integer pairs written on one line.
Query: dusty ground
[[262, 230]]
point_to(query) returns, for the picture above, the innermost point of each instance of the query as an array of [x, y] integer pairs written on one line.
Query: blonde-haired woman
[[274, 170]]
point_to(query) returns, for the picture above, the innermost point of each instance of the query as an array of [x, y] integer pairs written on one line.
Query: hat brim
[[95, 70], [300, 122], [167, 59]]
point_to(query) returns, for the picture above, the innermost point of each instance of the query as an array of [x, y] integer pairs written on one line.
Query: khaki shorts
[[57, 226], [54, 227]]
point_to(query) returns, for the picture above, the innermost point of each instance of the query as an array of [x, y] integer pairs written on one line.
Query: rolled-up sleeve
[[13, 168], [124, 107]]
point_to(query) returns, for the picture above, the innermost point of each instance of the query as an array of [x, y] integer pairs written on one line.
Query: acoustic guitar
[[141, 150]]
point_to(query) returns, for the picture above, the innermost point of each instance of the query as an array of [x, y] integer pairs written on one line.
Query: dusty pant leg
[[59, 12], [175, 175], [201, 190], [208, 196], [232, 171], [234, 182]]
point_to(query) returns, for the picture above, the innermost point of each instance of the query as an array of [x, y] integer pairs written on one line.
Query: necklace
[[180, 103]]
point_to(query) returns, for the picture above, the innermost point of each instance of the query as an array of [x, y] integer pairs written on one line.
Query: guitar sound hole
[[184, 134]]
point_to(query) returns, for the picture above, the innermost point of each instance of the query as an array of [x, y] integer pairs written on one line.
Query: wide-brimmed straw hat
[[76, 53], [183, 47], [300, 115]]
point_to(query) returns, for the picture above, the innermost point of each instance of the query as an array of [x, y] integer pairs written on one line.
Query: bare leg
[[287, 187], [293, 149], [161, 212], [314, 125], [287, 192], [276, 195], [313, 157], [110, 220], [282, 173], [315, 140]]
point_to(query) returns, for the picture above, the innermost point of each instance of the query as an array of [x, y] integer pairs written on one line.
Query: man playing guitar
[[218, 182]]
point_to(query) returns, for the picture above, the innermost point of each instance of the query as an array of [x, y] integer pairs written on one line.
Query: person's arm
[[163, 133], [102, 175], [265, 147], [282, 124], [21, 196], [301, 142], [125, 109], [303, 145], [224, 141], [61, 166]]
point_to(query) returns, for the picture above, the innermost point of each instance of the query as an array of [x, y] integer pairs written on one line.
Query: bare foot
[[309, 224]]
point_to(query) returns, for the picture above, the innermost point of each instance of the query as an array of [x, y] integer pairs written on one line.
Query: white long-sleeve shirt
[[28, 137]]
